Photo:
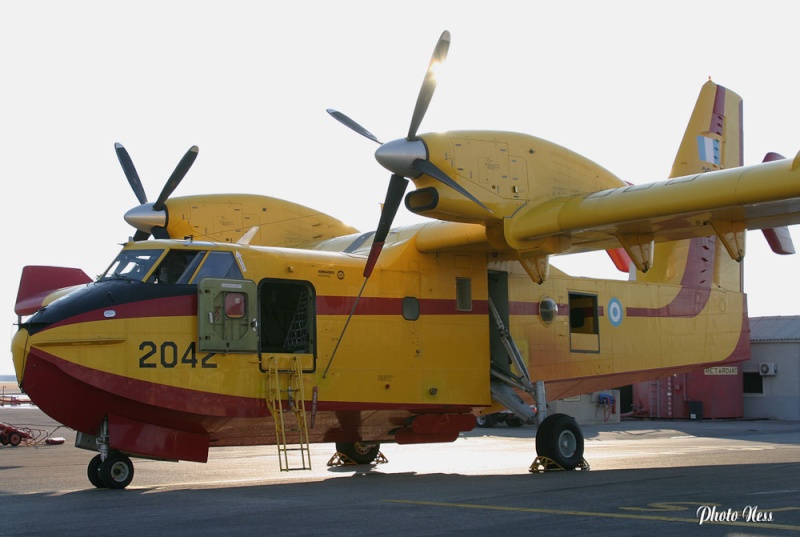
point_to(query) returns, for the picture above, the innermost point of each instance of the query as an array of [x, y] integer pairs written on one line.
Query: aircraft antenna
[[344, 328]]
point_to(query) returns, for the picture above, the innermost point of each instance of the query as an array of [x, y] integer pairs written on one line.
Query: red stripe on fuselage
[[343, 305], [695, 288]]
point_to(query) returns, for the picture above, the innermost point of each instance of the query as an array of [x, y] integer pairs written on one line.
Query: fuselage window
[[219, 265], [463, 294], [410, 308]]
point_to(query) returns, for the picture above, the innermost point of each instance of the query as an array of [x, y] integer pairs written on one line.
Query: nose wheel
[[116, 472]]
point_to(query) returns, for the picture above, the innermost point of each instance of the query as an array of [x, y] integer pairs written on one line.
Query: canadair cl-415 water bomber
[[246, 320]]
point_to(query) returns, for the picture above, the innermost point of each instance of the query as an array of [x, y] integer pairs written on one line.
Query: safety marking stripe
[[762, 525]]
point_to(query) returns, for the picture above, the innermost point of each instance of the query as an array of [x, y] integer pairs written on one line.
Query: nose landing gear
[[116, 472]]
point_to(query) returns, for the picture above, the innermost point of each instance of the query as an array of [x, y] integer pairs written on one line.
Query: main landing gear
[[559, 440], [559, 445], [357, 453]]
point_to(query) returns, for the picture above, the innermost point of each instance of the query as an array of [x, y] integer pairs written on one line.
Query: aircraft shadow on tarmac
[[656, 500]]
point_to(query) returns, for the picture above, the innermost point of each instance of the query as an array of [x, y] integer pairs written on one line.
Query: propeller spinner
[[406, 157], [151, 218]]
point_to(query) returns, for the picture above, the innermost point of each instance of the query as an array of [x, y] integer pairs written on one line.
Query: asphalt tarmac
[[653, 478]]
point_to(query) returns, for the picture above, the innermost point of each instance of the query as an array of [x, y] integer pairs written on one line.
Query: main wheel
[[359, 452], [514, 421], [560, 438], [486, 420], [93, 472], [116, 472]]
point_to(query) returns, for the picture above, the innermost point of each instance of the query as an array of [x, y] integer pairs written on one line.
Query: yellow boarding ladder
[[286, 395]]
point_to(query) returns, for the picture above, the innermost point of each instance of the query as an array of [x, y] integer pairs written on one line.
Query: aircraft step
[[285, 395]]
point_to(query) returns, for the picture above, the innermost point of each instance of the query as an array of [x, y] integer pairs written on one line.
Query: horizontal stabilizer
[[37, 282], [779, 239]]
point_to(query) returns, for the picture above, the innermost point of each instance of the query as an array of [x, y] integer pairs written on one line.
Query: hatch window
[[584, 334], [582, 313]]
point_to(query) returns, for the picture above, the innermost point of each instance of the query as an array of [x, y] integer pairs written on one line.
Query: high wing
[[545, 200], [725, 200], [725, 203]]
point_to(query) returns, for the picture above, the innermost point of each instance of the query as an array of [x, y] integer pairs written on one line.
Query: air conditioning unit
[[768, 369]]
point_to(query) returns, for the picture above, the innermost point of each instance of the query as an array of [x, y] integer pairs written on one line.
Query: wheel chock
[[546, 464], [340, 459]]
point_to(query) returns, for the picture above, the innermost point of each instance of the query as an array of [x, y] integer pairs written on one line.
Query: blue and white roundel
[[615, 311]]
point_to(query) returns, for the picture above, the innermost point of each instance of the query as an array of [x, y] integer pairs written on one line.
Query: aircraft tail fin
[[37, 282], [713, 140], [714, 136]]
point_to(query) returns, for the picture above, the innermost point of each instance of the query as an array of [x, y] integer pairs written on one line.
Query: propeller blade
[[176, 177], [344, 120], [130, 172], [429, 84], [429, 168], [140, 236], [160, 232], [394, 195]]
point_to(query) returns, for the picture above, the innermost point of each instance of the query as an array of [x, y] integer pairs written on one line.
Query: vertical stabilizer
[[714, 136], [713, 141]]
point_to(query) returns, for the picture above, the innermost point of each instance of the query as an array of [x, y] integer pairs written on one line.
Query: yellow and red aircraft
[[246, 311]]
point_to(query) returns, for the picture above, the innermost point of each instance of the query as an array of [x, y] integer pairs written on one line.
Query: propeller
[[151, 218], [406, 157]]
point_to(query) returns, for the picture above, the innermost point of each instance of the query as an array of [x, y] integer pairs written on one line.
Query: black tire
[[560, 439], [3, 439], [486, 420], [359, 452], [116, 472], [514, 421], [541, 434], [93, 472], [14, 438]]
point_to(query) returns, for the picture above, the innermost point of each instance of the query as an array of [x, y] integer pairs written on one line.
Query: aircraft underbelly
[[146, 419]]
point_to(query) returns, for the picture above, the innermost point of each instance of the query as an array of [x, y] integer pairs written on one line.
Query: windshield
[[132, 264]]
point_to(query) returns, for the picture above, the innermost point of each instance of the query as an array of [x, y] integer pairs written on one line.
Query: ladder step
[[275, 379]]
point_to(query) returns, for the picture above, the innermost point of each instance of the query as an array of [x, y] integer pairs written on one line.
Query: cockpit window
[[132, 264], [177, 267], [219, 265]]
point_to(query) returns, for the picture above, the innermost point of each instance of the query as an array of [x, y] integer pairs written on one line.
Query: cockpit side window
[[132, 264], [177, 267], [219, 265]]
